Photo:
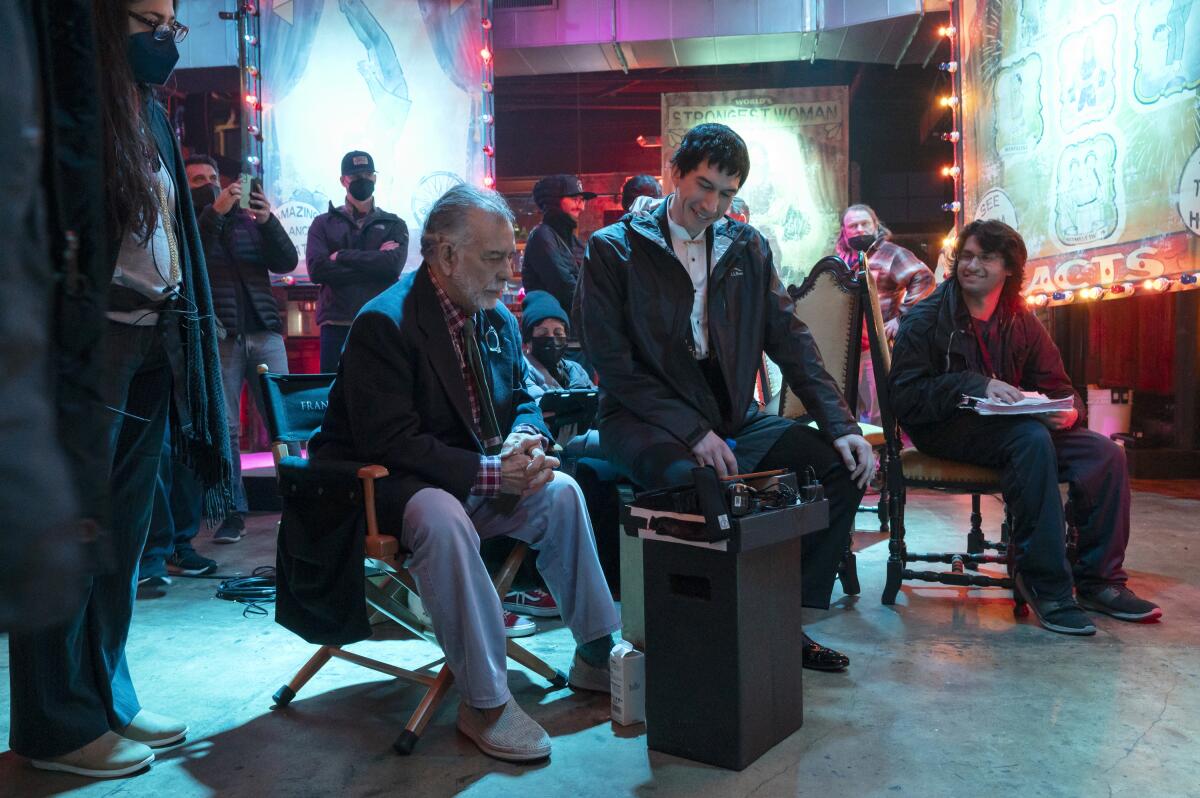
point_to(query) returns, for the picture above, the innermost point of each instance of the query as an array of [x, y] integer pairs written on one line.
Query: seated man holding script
[[973, 336], [431, 386]]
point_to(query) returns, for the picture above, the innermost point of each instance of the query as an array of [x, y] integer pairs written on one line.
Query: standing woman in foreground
[[74, 707]]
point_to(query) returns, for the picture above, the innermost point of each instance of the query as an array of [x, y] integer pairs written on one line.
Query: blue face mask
[[151, 60]]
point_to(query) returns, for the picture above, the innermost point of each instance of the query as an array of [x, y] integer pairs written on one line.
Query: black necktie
[[487, 413]]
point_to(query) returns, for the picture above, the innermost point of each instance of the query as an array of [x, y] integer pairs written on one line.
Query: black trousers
[[71, 683], [333, 340], [798, 448], [1033, 461]]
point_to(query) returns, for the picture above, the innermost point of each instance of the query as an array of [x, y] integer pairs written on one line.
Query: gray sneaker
[[589, 677], [1058, 615], [513, 737], [1119, 602]]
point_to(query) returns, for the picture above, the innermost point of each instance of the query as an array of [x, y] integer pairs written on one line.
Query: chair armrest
[[372, 472]]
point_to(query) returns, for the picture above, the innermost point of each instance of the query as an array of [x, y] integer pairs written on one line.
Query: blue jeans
[[178, 508], [333, 340], [240, 359]]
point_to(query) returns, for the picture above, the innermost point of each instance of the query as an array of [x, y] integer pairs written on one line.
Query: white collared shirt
[[693, 254]]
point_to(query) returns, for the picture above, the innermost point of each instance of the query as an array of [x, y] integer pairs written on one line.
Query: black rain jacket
[[936, 360], [635, 303]]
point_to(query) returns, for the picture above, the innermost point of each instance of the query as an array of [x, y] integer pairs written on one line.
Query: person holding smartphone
[[243, 249]]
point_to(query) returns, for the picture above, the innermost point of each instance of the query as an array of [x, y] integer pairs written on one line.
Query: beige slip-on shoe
[[513, 737], [108, 756], [154, 730]]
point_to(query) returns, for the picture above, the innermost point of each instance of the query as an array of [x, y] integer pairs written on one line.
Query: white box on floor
[[627, 674]]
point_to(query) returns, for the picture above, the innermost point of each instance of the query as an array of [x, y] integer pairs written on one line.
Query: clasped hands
[[525, 468]]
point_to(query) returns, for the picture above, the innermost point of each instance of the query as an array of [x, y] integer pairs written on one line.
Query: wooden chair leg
[[848, 569], [424, 712], [285, 694], [975, 540], [535, 663]]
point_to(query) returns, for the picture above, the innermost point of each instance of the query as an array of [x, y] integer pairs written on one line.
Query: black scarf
[[199, 435], [561, 222]]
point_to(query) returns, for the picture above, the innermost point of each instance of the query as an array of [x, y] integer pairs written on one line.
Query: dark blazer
[[400, 400]]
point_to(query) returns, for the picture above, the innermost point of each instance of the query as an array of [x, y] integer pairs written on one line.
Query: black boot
[[817, 657]]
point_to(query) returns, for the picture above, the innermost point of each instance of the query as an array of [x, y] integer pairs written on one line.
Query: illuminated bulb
[[948, 66], [489, 150], [1094, 292], [253, 130], [250, 9], [949, 101], [950, 240], [947, 31], [1036, 300], [288, 279], [252, 100], [252, 71], [951, 171], [952, 207], [485, 54], [1156, 284], [953, 135], [487, 119], [1063, 296], [487, 86], [489, 181], [486, 23], [251, 39], [253, 160], [1188, 279]]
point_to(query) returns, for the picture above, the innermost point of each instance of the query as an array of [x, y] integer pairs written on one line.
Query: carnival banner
[[399, 80], [1081, 129], [799, 145]]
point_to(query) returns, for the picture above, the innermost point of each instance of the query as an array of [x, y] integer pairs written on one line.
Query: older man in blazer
[[431, 385]]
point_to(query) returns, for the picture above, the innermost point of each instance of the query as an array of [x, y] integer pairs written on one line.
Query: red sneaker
[[537, 603], [518, 625]]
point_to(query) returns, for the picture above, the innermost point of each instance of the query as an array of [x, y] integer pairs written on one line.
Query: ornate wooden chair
[[295, 406], [831, 303]]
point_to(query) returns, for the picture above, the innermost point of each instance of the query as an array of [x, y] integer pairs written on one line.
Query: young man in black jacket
[[678, 307], [973, 336], [355, 252], [242, 248]]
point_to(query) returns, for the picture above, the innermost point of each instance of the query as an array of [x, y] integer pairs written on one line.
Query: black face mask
[[203, 196], [361, 188], [152, 61], [548, 350]]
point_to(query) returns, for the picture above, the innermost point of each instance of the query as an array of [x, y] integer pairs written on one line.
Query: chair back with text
[[828, 303], [294, 405]]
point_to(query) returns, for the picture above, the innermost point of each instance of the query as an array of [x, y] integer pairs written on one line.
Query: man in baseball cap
[[355, 252], [553, 253]]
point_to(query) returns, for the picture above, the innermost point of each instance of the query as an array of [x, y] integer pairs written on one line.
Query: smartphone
[[247, 182]]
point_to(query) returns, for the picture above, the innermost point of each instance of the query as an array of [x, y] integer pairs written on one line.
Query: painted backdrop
[[799, 145], [397, 78], [1082, 130]]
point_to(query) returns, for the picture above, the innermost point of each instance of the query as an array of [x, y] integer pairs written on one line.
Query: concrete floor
[[947, 695]]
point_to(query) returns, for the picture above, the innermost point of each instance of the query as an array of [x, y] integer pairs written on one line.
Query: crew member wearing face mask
[[74, 706], [354, 253], [545, 328]]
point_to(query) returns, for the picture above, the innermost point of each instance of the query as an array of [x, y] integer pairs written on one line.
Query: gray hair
[[448, 216]]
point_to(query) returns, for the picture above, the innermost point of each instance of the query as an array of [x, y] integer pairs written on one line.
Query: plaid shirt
[[487, 480]]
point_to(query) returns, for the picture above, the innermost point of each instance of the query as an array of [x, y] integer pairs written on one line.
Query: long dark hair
[[130, 155], [995, 236]]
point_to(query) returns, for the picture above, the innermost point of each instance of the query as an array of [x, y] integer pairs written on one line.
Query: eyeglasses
[[162, 30], [990, 258]]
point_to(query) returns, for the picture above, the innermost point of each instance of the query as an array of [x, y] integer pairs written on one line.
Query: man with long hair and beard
[[74, 707]]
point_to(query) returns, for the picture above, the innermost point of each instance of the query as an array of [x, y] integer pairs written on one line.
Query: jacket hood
[[652, 226]]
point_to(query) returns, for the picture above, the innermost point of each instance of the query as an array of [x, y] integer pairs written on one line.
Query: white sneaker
[[154, 730], [589, 677], [108, 756]]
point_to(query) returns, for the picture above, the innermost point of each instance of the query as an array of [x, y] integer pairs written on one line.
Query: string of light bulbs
[[487, 119]]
